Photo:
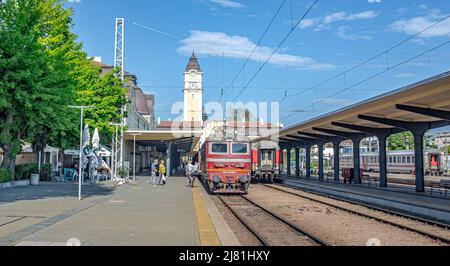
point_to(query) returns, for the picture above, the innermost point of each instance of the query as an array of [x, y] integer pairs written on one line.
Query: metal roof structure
[[418, 108], [419, 102]]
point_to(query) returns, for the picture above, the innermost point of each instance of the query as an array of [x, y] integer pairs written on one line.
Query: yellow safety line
[[206, 229]]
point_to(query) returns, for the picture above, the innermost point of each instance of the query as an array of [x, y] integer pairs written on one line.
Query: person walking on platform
[[189, 172], [154, 169], [194, 174], [162, 173]]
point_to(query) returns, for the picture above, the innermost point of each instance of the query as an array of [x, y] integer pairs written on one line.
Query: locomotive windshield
[[219, 148], [239, 148]]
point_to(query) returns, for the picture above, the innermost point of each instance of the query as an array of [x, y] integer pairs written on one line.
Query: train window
[[390, 159], [239, 148], [219, 148], [395, 159], [404, 160], [408, 160]]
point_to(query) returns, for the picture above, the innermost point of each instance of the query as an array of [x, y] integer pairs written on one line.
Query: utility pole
[[115, 162], [119, 62], [80, 176], [134, 155]]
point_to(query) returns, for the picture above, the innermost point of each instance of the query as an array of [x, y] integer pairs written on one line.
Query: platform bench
[[369, 180], [443, 187]]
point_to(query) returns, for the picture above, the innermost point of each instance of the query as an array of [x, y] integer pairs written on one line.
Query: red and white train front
[[226, 166]]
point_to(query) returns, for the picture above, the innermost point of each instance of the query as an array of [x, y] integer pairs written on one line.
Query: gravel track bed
[[334, 226], [275, 232], [429, 228], [244, 236]]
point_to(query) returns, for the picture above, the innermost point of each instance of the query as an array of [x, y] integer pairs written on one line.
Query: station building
[[174, 141]]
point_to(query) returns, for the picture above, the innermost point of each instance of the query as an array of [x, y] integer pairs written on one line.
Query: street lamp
[[114, 151], [134, 154], [81, 144]]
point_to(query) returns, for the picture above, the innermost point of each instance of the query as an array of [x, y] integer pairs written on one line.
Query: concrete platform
[[399, 198], [130, 215]]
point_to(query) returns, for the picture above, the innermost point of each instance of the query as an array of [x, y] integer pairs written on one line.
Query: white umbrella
[[86, 136], [96, 139]]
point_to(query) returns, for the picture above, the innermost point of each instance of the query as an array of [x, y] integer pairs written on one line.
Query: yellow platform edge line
[[206, 229]]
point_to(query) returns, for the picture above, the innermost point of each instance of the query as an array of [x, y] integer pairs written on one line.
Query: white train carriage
[[400, 162]]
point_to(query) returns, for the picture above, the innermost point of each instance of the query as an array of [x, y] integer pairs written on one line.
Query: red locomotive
[[266, 157], [225, 165]]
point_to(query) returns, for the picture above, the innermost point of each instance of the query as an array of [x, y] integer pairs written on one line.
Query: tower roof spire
[[193, 63]]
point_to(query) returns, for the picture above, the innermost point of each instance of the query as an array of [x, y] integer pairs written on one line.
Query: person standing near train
[[162, 173], [154, 169]]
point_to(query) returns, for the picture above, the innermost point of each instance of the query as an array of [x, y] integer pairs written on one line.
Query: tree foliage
[[43, 70], [401, 141]]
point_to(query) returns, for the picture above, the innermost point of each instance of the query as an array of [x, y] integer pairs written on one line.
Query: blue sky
[[332, 38]]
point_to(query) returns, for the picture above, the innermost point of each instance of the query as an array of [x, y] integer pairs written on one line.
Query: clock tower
[[193, 91]]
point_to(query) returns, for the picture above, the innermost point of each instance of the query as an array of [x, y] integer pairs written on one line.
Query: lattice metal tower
[[119, 62]]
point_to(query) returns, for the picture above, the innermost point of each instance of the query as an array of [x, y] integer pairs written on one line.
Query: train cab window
[[239, 148], [219, 148]]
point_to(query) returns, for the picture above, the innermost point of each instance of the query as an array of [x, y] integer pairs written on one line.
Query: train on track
[[399, 162], [266, 158], [225, 164]]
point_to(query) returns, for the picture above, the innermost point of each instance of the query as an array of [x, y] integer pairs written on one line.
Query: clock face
[[192, 74]]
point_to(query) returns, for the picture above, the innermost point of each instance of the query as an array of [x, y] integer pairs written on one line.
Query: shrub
[[46, 172], [24, 171], [123, 172], [5, 175]]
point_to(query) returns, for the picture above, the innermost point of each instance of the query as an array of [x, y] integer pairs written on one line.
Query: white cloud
[[321, 23], [345, 32], [417, 24], [219, 43], [374, 1], [228, 3]]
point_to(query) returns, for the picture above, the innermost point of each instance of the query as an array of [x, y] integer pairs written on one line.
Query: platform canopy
[[155, 138], [424, 101]]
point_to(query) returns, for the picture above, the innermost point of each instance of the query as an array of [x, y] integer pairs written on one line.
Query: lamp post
[[134, 154], [114, 151], [81, 144]]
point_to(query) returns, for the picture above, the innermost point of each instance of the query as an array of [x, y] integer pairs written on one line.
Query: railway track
[[436, 231], [267, 227]]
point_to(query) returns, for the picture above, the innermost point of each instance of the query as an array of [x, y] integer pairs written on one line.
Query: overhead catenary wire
[[258, 44], [372, 77], [154, 30], [276, 50], [385, 52]]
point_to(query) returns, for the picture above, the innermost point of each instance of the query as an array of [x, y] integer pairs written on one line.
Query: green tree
[[23, 63], [401, 141], [54, 120], [106, 93], [43, 70]]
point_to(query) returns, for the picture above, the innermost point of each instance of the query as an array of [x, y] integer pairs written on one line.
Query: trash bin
[[34, 180]]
